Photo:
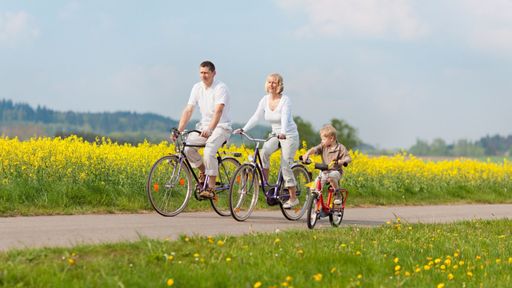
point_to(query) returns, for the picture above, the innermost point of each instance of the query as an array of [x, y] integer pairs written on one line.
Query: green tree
[[346, 133], [306, 132], [420, 148]]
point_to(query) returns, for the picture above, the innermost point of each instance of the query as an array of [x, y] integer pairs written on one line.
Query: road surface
[[68, 231]]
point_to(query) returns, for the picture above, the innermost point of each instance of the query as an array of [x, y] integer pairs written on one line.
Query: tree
[[306, 132], [420, 148], [346, 133]]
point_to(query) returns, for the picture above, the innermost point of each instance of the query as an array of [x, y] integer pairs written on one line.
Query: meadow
[[397, 254], [71, 176]]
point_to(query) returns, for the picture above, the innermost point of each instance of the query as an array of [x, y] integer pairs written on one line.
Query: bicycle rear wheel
[[220, 203], [313, 214], [169, 186], [302, 178], [243, 192], [338, 211]]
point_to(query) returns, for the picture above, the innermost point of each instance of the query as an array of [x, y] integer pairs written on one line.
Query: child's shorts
[[335, 175]]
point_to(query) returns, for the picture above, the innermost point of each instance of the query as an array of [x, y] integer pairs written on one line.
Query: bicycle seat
[[321, 166]]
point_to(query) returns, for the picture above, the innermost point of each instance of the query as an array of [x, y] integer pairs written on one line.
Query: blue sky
[[396, 70]]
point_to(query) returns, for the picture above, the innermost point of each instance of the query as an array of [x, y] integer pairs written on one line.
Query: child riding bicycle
[[333, 154]]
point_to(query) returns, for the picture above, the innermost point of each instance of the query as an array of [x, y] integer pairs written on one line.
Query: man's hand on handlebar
[[238, 131]]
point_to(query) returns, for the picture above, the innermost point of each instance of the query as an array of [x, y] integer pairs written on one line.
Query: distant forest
[[23, 121]]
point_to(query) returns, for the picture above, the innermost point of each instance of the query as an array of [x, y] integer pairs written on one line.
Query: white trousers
[[213, 143], [289, 147]]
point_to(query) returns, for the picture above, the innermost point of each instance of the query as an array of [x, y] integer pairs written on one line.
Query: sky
[[396, 70]]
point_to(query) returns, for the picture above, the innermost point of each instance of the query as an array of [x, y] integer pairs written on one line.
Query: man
[[212, 97]]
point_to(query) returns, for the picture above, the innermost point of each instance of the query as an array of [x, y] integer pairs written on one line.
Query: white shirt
[[280, 118], [207, 99]]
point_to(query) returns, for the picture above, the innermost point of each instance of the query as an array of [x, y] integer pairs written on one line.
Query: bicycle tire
[[220, 203], [243, 191], [302, 177], [312, 214], [336, 215], [169, 186]]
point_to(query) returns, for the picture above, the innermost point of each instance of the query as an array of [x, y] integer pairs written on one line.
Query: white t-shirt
[[207, 99], [280, 118]]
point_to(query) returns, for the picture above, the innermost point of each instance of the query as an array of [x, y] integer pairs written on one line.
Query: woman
[[276, 109]]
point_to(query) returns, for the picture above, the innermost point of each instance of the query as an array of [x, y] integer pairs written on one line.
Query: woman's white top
[[280, 118]]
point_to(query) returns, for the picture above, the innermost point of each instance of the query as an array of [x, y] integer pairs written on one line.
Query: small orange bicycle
[[333, 208]]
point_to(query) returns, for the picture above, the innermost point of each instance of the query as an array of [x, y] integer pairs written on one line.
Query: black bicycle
[[170, 181], [248, 178]]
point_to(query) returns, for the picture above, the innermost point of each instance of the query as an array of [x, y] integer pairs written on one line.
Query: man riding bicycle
[[212, 97]]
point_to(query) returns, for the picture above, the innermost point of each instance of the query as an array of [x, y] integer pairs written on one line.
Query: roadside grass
[[465, 254]]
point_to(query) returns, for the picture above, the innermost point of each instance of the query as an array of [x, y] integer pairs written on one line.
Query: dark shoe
[[208, 193]]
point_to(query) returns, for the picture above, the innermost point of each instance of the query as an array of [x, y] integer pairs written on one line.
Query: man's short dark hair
[[209, 65]]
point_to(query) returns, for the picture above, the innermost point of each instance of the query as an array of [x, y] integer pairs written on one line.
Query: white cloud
[[491, 24], [362, 18], [16, 26]]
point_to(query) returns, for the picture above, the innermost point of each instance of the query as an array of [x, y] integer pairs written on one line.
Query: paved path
[[44, 231]]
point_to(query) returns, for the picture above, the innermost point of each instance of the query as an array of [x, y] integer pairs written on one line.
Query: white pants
[[334, 175], [289, 147], [213, 143]]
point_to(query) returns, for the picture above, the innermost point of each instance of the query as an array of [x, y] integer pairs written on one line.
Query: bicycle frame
[[258, 164], [324, 207]]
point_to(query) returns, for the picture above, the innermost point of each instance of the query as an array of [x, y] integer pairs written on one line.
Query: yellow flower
[[289, 278], [71, 261], [470, 274], [395, 260], [440, 285], [277, 241], [170, 282], [333, 269], [257, 285], [397, 268], [359, 276], [220, 243], [317, 277], [228, 259], [450, 276]]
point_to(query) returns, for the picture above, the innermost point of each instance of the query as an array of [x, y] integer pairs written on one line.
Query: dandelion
[[170, 282], [395, 260], [333, 269], [210, 239], [470, 274], [220, 243], [284, 284], [71, 261], [277, 241], [300, 252], [397, 268], [440, 285], [359, 276], [450, 276], [498, 261], [358, 253], [407, 274], [257, 284], [228, 259], [289, 278], [317, 277], [426, 267], [510, 260]]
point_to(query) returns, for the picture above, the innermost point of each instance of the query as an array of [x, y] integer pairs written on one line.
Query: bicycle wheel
[[337, 212], [243, 191], [302, 178], [220, 203], [169, 186], [313, 213]]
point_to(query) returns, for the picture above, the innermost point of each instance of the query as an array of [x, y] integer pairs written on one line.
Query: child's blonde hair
[[328, 130]]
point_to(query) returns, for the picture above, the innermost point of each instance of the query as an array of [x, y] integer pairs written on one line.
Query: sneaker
[[208, 193], [289, 204], [337, 202]]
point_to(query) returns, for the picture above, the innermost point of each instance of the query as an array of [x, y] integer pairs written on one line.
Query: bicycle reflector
[[155, 187]]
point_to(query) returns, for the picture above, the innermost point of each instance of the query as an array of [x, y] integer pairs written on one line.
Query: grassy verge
[[466, 254]]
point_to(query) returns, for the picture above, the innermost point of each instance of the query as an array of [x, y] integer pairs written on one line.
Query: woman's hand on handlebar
[[281, 136], [174, 134]]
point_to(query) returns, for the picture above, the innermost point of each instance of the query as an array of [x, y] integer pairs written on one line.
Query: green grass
[[465, 254]]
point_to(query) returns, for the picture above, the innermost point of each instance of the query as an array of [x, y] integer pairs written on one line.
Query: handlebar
[[272, 135], [319, 166]]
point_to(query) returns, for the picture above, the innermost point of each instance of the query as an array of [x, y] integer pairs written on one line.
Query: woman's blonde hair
[[328, 130], [279, 82]]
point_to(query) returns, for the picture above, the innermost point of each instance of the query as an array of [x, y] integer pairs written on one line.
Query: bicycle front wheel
[[169, 186], [313, 213], [220, 203], [338, 209], [243, 192], [302, 178]]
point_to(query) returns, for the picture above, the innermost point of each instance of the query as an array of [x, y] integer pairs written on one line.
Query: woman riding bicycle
[[276, 109]]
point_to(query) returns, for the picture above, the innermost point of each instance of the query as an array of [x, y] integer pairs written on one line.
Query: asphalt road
[[67, 231]]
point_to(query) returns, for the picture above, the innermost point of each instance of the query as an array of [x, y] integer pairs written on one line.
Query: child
[[333, 154]]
